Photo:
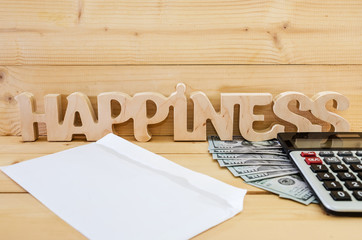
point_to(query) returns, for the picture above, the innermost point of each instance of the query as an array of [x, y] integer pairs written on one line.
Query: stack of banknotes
[[261, 164]]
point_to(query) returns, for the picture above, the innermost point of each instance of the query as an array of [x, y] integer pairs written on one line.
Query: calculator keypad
[[344, 153], [339, 173], [325, 176], [313, 160], [350, 160], [356, 167], [338, 168], [346, 176], [358, 195], [332, 185], [332, 160], [318, 168], [353, 185], [340, 196], [359, 175]]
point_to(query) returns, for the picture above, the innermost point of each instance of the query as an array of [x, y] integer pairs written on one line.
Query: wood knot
[[9, 98], [285, 25]]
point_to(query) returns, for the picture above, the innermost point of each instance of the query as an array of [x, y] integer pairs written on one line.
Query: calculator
[[331, 163]]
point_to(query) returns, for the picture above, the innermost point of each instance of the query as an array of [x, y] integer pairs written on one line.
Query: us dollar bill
[[248, 156], [240, 143], [267, 175], [277, 152], [306, 202], [246, 162], [245, 170], [292, 186]]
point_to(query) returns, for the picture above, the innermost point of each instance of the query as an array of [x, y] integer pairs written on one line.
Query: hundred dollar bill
[[246, 162], [241, 143], [244, 170], [235, 156], [292, 186], [306, 202], [251, 151], [266, 175]]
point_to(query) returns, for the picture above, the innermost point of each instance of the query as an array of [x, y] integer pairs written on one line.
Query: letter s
[[320, 111], [281, 109]]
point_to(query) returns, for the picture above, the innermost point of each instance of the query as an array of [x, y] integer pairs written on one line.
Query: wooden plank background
[[215, 46], [97, 32]]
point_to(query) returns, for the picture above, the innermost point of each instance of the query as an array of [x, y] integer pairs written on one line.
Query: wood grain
[[95, 32], [212, 80], [24, 217], [268, 217], [159, 145], [263, 217]]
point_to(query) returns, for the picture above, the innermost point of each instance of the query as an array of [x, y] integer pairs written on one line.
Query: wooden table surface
[[214, 46], [265, 215]]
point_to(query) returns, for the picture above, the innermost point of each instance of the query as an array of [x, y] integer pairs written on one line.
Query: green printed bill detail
[[235, 150], [249, 156], [240, 143], [265, 175], [246, 170], [229, 163], [291, 187], [307, 202]]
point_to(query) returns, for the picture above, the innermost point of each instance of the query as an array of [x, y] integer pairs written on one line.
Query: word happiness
[[61, 128]]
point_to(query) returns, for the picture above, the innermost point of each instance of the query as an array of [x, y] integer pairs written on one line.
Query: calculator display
[[327, 143], [322, 140]]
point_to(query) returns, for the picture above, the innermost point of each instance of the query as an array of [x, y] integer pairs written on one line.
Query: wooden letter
[[203, 110], [281, 109], [28, 117], [320, 111], [179, 102], [247, 103], [105, 118], [63, 131], [138, 111]]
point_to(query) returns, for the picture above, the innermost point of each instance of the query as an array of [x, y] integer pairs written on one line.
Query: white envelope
[[113, 189]]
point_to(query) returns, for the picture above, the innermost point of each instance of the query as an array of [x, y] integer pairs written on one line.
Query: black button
[[359, 175], [353, 185], [344, 176], [332, 185], [344, 153], [318, 168], [350, 160], [359, 153], [326, 154], [340, 196], [331, 160], [325, 176], [339, 168], [356, 167], [357, 195]]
